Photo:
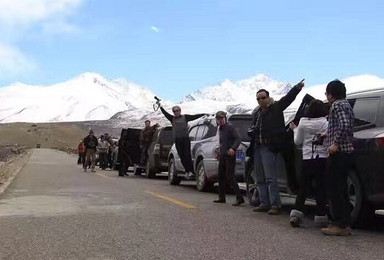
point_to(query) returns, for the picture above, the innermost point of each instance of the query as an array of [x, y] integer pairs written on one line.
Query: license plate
[[240, 155]]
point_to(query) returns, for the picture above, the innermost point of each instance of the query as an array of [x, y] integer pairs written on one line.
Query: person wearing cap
[[230, 140], [146, 136], [90, 144], [268, 135], [181, 136], [341, 157]]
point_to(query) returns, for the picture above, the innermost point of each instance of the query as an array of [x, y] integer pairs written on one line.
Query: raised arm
[[193, 117], [166, 114], [285, 101]]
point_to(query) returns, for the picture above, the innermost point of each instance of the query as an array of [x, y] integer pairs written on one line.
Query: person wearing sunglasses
[[181, 136], [268, 135]]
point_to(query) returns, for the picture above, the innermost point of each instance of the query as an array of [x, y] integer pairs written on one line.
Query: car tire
[[173, 179], [150, 172], [202, 182], [361, 211], [251, 186]]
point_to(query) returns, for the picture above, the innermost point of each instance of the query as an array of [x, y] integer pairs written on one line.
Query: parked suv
[[158, 151], [129, 151], [366, 180], [204, 144]]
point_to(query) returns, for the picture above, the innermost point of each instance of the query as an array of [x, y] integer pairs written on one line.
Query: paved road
[[55, 211]]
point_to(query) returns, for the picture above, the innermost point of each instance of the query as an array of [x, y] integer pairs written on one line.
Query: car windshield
[[242, 125]]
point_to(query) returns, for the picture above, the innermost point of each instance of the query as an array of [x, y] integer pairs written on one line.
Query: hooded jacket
[[304, 133]]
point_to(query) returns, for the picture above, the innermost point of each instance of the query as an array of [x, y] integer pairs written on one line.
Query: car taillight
[[156, 149], [380, 140]]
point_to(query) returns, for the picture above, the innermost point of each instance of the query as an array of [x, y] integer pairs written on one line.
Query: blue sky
[[176, 47]]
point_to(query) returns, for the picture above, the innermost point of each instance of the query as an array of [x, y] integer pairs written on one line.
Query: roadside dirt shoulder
[[10, 168]]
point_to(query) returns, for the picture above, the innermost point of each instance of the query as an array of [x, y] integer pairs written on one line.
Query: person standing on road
[[80, 149], [181, 136], [146, 136], [90, 144], [229, 142], [103, 152], [123, 153], [268, 134], [340, 160], [310, 134]]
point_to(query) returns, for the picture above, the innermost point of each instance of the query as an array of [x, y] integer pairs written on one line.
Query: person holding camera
[[310, 134]]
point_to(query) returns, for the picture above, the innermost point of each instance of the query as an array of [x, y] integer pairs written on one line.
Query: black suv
[[128, 152], [366, 180], [158, 151]]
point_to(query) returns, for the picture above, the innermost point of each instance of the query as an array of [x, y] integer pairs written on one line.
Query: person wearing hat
[[90, 144], [181, 135], [229, 141]]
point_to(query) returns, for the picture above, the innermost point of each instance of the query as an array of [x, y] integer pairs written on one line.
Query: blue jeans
[[268, 165]]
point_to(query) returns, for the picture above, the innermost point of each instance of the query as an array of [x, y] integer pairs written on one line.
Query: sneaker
[[261, 208], [296, 218], [93, 170], [274, 210], [219, 201], [336, 231], [239, 201]]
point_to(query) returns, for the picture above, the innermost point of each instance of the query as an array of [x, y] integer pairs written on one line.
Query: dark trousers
[[144, 155], [313, 169], [338, 167], [81, 158], [227, 170], [183, 147], [103, 163], [109, 159]]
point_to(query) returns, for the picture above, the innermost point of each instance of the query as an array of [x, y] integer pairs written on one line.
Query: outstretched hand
[[300, 85]]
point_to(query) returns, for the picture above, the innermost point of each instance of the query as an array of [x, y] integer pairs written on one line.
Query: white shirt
[[304, 133]]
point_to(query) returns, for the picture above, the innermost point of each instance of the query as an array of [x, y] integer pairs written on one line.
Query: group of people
[[327, 155], [90, 145]]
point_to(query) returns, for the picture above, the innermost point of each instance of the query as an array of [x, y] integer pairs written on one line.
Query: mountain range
[[90, 96]]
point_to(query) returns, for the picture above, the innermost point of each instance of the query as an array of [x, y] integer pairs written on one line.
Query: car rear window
[[365, 110], [166, 136], [242, 125]]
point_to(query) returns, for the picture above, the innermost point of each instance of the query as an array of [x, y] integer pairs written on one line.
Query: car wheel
[[202, 182], [361, 211], [251, 186], [150, 172], [173, 179]]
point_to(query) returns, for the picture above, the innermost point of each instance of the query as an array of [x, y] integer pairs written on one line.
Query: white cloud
[[25, 12], [13, 62], [155, 29]]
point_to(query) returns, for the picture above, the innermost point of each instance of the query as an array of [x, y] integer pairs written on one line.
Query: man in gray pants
[[268, 133], [181, 135]]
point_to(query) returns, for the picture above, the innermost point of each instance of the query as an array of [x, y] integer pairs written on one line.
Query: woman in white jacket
[[310, 134]]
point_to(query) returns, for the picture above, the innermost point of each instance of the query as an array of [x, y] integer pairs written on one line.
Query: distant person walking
[[146, 136], [181, 136], [268, 134], [90, 144], [340, 161], [80, 149], [310, 134], [229, 142]]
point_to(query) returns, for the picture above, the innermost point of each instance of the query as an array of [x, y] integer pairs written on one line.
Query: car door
[[292, 155]]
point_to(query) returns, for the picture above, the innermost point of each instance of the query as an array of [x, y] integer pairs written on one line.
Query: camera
[[318, 139]]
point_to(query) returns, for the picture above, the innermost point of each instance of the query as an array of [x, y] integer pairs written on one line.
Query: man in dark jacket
[[146, 136], [229, 142], [90, 144], [181, 136], [268, 133]]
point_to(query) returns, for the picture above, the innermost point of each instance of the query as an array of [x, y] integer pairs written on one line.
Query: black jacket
[[272, 128], [229, 138], [90, 142]]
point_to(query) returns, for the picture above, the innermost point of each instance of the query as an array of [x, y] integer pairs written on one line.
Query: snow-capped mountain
[[92, 97], [86, 97]]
